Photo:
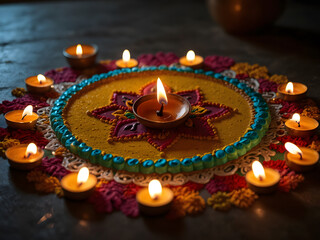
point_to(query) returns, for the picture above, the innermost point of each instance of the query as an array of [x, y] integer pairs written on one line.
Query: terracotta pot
[[242, 16]]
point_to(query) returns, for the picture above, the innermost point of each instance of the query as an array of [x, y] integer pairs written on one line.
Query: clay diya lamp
[[292, 91], [24, 156], [262, 180], [301, 126], [39, 84], [154, 200], [81, 56], [191, 60], [160, 110], [126, 61], [78, 186], [23, 119], [300, 159]]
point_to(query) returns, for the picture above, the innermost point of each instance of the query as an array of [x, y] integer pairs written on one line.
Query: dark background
[[32, 36]]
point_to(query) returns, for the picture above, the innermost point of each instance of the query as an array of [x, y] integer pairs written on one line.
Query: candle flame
[[83, 175], [291, 148], [296, 118], [191, 55], [31, 149], [258, 170], [41, 78], [289, 87], [27, 111], [155, 189], [126, 55], [161, 93], [79, 50]]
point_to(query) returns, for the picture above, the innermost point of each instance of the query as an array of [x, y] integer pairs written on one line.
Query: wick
[[298, 123], [40, 82], [156, 197], [300, 154], [260, 178], [79, 184], [27, 156], [24, 116], [289, 91], [160, 112]]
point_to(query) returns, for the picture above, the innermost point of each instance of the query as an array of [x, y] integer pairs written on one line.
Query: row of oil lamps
[[154, 199]]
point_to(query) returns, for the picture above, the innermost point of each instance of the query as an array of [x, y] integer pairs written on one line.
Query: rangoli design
[[127, 128]]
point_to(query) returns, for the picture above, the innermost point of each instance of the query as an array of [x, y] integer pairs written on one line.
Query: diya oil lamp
[[300, 159], [161, 110], [126, 61], [154, 200], [24, 156], [292, 91], [23, 119], [81, 56], [301, 126], [262, 180], [78, 186], [191, 60], [38, 84]]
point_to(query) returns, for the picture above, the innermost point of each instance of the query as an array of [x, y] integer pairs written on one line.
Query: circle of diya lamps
[[301, 126], [23, 119], [262, 180], [300, 159], [24, 156], [39, 84], [191, 60], [81, 56], [78, 186], [126, 61], [154, 200], [160, 110], [292, 91]]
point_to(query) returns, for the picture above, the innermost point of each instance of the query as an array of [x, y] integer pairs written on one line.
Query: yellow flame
[[83, 175], [41, 78], [289, 87], [31, 149], [258, 170], [191, 55], [296, 117], [155, 189], [291, 148], [126, 55], [27, 111], [79, 50], [161, 93]]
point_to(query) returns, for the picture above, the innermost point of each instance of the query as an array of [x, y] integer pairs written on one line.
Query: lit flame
[[27, 111], [161, 93], [41, 78], [31, 149], [126, 56], [289, 87], [291, 148], [83, 175], [79, 50], [191, 55], [296, 118], [258, 170], [155, 189]]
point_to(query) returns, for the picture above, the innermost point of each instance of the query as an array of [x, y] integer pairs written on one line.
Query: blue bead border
[[221, 156]]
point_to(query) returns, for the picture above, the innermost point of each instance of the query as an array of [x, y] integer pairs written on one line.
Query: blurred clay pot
[[243, 16]]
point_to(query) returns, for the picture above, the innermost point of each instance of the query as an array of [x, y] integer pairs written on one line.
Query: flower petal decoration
[[193, 96], [129, 129], [124, 99], [126, 127]]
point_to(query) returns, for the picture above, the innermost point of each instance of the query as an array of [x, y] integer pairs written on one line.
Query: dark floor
[[32, 36]]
